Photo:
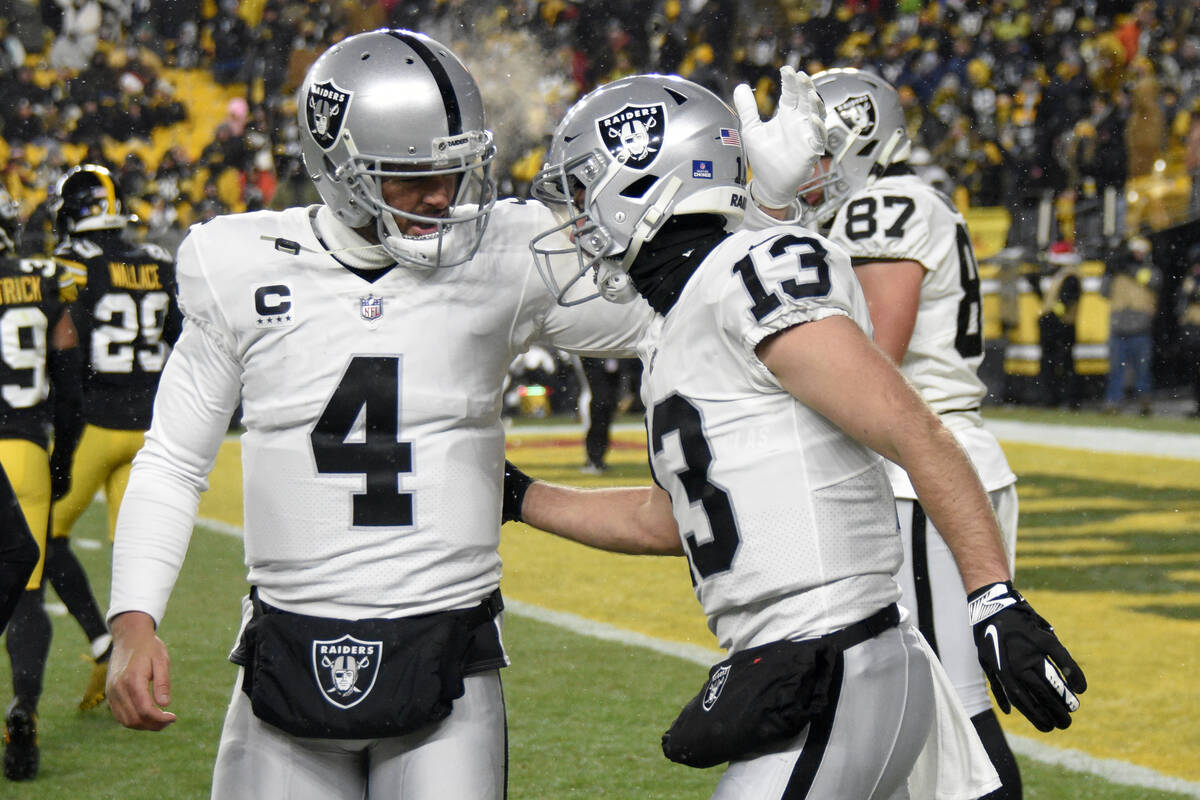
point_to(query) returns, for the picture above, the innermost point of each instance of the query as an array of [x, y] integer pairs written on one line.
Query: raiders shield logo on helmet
[[858, 112], [634, 134], [345, 669], [325, 109]]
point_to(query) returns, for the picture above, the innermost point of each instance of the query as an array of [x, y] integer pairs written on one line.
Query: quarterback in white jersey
[[373, 437], [366, 340], [912, 254]]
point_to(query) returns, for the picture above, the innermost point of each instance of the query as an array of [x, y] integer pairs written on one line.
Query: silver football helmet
[[866, 133], [626, 158], [397, 104]]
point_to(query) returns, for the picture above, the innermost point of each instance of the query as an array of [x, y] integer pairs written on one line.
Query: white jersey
[[373, 448], [788, 523], [902, 218]]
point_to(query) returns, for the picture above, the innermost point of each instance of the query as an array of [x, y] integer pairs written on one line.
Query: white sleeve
[[793, 276], [598, 328], [197, 394], [756, 219]]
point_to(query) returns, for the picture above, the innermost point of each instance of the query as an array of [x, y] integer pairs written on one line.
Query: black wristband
[[516, 483]]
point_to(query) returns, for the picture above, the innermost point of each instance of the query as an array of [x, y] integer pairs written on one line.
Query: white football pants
[[933, 594], [463, 756], [866, 746]]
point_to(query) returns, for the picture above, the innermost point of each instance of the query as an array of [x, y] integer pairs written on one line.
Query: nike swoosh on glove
[[1026, 664], [784, 150]]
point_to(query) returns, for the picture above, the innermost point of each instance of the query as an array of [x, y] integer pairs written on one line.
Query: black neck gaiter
[[665, 263]]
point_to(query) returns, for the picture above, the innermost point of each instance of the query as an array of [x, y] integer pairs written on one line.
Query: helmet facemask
[[395, 104], [569, 189], [456, 235], [623, 161], [837, 179], [866, 135]]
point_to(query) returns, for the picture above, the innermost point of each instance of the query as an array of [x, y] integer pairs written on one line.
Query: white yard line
[[1100, 440], [1076, 437], [1107, 768]]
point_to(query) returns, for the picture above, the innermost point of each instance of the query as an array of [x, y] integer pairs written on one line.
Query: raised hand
[[783, 151]]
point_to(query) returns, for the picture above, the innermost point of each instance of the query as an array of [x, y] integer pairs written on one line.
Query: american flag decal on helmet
[[731, 137]]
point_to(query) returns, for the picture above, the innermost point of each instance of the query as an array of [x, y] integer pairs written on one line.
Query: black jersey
[[33, 295], [127, 319]]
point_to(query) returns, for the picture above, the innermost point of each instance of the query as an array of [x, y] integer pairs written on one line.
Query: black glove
[[515, 484], [1022, 657]]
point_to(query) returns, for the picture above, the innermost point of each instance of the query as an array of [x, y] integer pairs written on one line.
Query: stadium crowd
[[1081, 120], [1010, 103]]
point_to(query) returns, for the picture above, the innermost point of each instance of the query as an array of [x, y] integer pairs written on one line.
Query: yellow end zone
[[1137, 645], [1136, 642]]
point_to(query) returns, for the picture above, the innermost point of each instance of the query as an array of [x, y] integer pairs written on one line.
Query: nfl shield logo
[[371, 308], [345, 669], [634, 134], [325, 108], [858, 112], [715, 684]]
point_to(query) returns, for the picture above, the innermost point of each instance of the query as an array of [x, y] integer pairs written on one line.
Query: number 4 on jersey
[[370, 387]]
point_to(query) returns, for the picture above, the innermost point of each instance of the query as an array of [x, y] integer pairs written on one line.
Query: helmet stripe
[[440, 76], [110, 191]]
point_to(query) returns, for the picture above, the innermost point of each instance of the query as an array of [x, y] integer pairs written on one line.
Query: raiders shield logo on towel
[[346, 668], [715, 684], [634, 134], [858, 112], [325, 108]]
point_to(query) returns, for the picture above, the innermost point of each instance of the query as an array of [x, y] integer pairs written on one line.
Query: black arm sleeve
[[515, 485], [66, 378], [173, 323]]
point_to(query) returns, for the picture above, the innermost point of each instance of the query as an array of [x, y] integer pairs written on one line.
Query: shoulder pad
[[79, 248], [157, 252], [32, 265]]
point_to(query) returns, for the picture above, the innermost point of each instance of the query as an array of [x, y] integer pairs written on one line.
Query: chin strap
[[650, 221], [884, 159], [612, 276], [613, 282]]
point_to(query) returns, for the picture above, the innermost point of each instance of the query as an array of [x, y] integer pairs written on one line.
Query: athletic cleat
[[93, 695], [20, 743]]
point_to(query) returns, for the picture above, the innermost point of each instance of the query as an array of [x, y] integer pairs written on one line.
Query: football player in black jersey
[[127, 320], [37, 353]]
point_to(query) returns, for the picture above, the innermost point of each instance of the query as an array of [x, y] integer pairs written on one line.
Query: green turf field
[[1110, 551]]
